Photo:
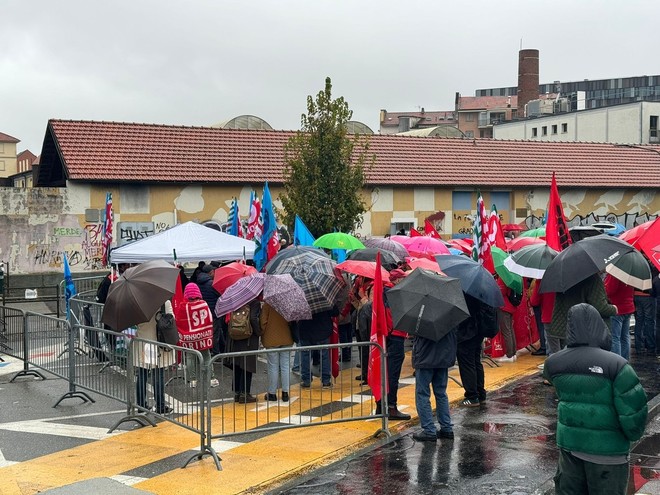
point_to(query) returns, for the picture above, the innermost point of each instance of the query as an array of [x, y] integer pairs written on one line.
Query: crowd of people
[[588, 325]]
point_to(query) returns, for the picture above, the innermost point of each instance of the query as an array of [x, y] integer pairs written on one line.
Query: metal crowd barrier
[[241, 413], [199, 396], [85, 288]]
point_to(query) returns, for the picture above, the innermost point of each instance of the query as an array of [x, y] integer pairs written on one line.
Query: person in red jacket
[[623, 297]]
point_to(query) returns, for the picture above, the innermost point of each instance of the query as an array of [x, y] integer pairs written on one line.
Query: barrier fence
[[176, 384]]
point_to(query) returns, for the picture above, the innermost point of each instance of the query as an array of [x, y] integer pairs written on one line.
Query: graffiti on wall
[[133, 231]]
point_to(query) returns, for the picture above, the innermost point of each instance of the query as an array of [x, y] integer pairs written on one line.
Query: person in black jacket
[[432, 362], [316, 331], [470, 334]]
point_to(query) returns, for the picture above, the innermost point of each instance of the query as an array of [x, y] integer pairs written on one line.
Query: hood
[[585, 327], [203, 278]]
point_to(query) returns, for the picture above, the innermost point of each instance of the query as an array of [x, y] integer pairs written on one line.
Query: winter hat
[[192, 291], [208, 268]]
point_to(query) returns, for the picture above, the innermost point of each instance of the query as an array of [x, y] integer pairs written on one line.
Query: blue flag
[[301, 234], [234, 219], [269, 227], [69, 287]]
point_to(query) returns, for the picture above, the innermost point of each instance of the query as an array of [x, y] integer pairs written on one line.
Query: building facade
[[631, 123]]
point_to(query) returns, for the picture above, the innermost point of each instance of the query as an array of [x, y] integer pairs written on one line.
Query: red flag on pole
[[106, 240], [556, 230], [378, 335], [414, 233], [430, 231], [495, 233]]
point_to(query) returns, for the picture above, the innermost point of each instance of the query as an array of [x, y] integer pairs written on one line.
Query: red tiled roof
[[106, 151], [6, 138], [435, 117]]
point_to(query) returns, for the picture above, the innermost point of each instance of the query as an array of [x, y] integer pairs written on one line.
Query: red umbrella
[[424, 263], [364, 268], [464, 245], [511, 227], [229, 274], [521, 242], [426, 247], [632, 236]]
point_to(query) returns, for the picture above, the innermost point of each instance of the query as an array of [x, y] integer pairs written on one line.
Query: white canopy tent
[[191, 241]]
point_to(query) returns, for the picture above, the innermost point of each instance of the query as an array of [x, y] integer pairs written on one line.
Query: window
[[653, 126], [554, 129], [564, 128], [535, 132], [469, 134], [469, 117], [544, 130]]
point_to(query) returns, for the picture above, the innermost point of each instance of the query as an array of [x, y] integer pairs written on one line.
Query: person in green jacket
[[602, 408]]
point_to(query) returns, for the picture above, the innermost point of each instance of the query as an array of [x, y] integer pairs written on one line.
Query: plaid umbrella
[[388, 245], [286, 297], [292, 251], [240, 293], [315, 274]]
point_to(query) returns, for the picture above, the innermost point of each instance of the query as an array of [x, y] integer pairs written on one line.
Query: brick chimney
[[528, 78]]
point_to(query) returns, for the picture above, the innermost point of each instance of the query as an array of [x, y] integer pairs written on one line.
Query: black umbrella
[[580, 232], [388, 259], [581, 260], [427, 304], [475, 279]]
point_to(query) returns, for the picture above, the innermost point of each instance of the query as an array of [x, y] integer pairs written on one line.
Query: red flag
[[414, 233], [556, 231], [430, 231], [107, 229], [495, 233], [378, 335], [480, 234], [334, 351], [254, 227]]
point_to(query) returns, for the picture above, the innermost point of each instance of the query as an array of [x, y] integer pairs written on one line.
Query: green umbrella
[[338, 240], [540, 232], [632, 269], [511, 280]]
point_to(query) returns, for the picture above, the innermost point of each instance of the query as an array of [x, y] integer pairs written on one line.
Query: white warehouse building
[[629, 123]]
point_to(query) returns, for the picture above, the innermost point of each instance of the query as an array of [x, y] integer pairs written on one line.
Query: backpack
[[166, 331], [240, 327]]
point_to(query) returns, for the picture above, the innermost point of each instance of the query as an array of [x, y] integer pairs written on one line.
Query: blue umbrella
[[475, 279]]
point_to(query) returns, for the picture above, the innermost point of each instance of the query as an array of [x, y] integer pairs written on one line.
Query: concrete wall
[[38, 225]]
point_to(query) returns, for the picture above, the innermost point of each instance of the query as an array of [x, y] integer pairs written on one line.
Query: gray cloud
[[201, 62]]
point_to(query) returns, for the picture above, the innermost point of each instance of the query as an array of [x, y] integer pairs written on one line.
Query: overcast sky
[[204, 61]]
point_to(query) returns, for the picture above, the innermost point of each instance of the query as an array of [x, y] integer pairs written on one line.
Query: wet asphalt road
[[505, 447]]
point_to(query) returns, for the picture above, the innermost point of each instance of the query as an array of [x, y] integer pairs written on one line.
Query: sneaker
[[505, 359], [327, 385], [422, 436], [469, 403], [285, 396], [538, 352], [165, 411], [214, 383], [270, 397], [192, 383], [305, 384], [447, 435], [359, 377]]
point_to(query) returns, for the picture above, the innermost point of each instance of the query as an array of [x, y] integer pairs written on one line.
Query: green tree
[[325, 168]]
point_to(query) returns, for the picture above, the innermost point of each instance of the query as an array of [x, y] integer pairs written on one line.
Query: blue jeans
[[621, 335], [644, 323], [305, 358], [278, 368], [437, 377]]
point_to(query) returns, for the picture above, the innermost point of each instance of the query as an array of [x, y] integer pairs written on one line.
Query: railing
[[155, 380]]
